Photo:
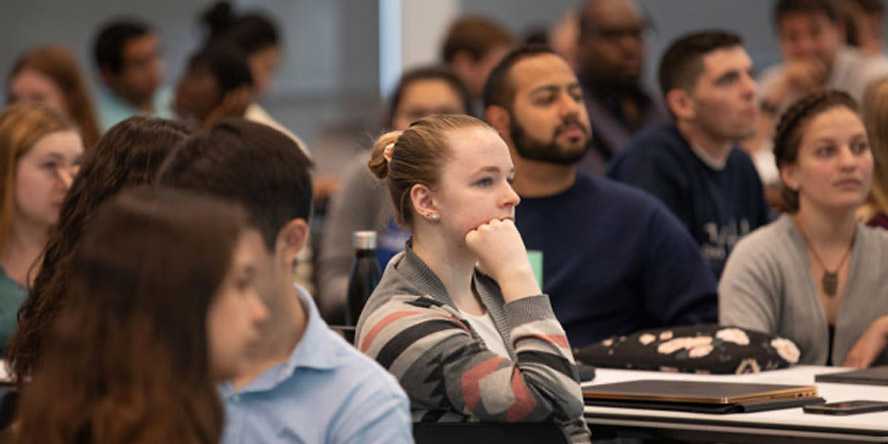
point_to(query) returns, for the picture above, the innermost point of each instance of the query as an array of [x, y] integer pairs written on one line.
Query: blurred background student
[[258, 39], [52, 76], [217, 83], [39, 156], [129, 154], [128, 57]]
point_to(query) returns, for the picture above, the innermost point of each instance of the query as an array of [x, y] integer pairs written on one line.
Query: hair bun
[[218, 18], [381, 155]]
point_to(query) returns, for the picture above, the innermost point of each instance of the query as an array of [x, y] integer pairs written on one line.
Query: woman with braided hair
[[816, 275]]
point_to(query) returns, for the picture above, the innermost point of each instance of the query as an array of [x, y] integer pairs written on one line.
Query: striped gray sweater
[[413, 329]]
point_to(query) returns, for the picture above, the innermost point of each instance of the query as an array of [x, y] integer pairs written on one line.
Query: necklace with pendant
[[830, 279]]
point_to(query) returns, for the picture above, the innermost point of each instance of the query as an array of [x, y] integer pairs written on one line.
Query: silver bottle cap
[[364, 240]]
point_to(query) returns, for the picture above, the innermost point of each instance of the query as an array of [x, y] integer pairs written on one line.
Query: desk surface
[[787, 422]]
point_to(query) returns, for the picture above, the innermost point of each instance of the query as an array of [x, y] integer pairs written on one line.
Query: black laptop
[[867, 376]]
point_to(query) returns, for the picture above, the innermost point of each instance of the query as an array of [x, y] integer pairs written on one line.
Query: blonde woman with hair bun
[[458, 316]]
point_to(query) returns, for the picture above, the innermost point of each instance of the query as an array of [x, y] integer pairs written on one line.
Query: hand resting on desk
[[869, 346]]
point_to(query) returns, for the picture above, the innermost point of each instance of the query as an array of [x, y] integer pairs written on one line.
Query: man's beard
[[534, 149]]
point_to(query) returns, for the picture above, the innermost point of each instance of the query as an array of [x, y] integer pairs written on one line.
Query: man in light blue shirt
[[127, 56], [114, 109], [324, 393], [302, 383]]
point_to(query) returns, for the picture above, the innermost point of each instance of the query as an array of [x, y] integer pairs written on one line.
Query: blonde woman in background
[[39, 155], [51, 75]]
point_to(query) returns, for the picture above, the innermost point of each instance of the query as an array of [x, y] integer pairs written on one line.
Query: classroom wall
[[331, 74]]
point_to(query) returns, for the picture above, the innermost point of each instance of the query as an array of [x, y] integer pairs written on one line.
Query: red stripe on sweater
[[524, 401], [385, 322], [471, 380]]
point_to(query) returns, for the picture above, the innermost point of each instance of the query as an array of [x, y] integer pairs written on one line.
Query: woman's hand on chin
[[502, 255]]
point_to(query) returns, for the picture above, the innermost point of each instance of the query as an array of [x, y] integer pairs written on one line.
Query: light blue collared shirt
[[327, 392], [113, 109]]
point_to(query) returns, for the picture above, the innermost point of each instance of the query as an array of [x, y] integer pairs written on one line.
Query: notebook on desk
[[867, 376], [700, 396]]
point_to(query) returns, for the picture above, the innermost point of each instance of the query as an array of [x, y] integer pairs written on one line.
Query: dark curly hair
[[788, 136]]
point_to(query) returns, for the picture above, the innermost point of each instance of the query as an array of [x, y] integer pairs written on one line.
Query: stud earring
[[434, 217]]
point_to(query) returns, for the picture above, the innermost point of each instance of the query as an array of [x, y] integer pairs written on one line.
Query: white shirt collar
[[708, 159]]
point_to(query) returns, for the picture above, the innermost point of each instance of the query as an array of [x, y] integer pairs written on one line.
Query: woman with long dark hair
[[161, 305]]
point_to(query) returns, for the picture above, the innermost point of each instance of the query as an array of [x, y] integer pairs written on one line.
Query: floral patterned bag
[[693, 349]]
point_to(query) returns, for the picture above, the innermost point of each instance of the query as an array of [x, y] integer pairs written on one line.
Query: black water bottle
[[364, 276]]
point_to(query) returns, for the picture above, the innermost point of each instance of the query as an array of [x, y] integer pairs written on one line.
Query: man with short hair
[[472, 46], [815, 56], [305, 384], [693, 164], [614, 260], [610, 55], [127, 55]]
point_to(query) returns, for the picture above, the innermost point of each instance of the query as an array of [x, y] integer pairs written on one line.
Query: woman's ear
[[423, 200], [788, 175]]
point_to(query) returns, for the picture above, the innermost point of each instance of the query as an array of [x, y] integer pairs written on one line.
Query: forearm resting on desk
[[870, 344]]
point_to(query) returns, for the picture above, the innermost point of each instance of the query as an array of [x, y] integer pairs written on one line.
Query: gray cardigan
[[767, 286], [413, 329]]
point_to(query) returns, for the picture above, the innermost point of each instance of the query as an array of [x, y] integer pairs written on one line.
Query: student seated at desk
[[816, 275], [161, 304], [458, 316]]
